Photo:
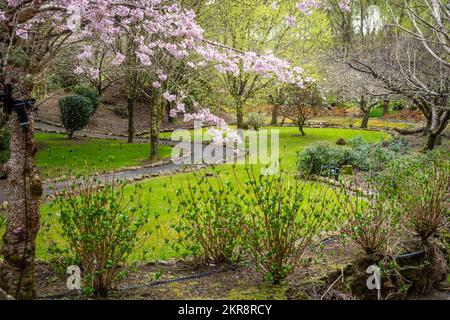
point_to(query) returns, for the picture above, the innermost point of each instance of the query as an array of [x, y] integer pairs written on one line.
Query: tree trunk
[[301, 126], [302, 131], [427, 128], [240, 113], [275, 111], [438, 126], [365, 120], [154, 125], [170, 119], [431, 142], [385, 108], [130, 107], [154, 143], [24, 191]]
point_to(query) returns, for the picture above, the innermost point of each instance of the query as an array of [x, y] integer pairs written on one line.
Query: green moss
[[259, 293]]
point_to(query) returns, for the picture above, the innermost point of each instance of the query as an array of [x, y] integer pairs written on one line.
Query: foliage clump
[[209, 224], [420, 185], [270, 220], [75, 113], [283, 218], [89, 93], [101, 226], [318, 158]]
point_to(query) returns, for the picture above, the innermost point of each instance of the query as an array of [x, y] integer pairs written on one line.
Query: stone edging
[[334, 183], [112, 172]]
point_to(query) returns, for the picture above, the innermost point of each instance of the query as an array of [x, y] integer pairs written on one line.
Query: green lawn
[[290, 144], [57, 155]]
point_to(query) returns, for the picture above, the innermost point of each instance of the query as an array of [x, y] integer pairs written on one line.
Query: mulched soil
[[233, 283], [222, 282]]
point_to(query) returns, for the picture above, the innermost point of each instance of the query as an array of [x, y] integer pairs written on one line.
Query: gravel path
[[164, 168]]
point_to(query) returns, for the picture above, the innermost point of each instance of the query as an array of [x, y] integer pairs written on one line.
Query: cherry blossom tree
[[32, 33]]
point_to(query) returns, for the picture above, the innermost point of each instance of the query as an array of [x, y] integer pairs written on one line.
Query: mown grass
[[57, 155], [290, 144]]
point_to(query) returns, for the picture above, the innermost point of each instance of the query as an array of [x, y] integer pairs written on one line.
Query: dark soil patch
[[243, 282], [325, 278]]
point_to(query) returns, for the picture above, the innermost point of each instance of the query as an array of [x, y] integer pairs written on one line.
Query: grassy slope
[[290, 144], [56, 154]]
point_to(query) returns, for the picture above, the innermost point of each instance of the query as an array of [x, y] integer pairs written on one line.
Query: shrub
[[317, 158], [420, 185], [101, 226], [253, 121], [397, 144], [89, 93], [367, 219], [209, 212], [75, 112], [282, 219]]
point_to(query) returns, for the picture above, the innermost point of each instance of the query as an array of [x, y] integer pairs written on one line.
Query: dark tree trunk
[[154, 125], [275, 111], [302, 131], [431, 142], [363, 106], [427, 128], [437, 128], [240, 113], [301, 126], [17, 273], [154, 143], [365, 120], [130, 107], [169, 119], [385, 107]]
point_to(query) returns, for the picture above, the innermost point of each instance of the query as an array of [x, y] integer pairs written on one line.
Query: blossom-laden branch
[[168, 28]]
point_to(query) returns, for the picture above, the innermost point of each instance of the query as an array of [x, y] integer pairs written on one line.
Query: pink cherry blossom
[[156, 85], [94, 73], [169, 97], [118, 60]]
